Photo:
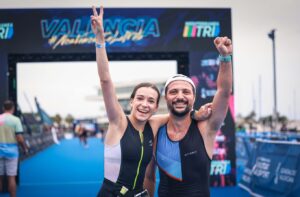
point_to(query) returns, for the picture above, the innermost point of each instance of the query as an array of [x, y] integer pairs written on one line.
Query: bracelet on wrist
[[226, 58], [100, 45]]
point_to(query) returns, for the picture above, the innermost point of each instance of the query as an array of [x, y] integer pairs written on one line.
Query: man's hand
[[26, 151], [223, 45], [203, 113]]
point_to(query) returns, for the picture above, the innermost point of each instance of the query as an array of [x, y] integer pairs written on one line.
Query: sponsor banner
[[272, 169], [222, 169], [244, 148], [132, 29]]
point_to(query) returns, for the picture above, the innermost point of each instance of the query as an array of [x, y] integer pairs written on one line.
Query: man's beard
[[181, 113]]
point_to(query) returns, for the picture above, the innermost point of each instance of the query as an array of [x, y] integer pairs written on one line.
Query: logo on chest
[[190, 153]]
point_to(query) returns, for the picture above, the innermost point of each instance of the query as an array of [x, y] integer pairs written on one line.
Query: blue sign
[[6, 31], [64, 32], [272, 169]]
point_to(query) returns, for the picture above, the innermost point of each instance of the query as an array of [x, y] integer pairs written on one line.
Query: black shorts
[[83, 134], [110, 189]]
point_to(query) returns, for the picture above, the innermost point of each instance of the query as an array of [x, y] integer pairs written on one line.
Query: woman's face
[[144, 104]]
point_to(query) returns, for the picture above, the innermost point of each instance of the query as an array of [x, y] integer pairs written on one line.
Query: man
[[184, 147], [10, 135], [82, 134]]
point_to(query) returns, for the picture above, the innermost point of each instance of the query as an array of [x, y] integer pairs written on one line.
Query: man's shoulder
[[10, 119], [13, 117]]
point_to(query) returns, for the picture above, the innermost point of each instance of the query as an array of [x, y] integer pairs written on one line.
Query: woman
[[129, 139]]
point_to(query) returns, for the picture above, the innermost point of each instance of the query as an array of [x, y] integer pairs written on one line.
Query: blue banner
[[45, 118], [244, 148], [272, 169]]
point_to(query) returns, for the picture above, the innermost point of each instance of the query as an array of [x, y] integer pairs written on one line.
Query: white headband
[[180, 77]]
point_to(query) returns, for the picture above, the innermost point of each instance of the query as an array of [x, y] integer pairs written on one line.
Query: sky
[[253, 56]]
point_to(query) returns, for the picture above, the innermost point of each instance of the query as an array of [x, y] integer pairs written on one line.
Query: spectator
[[10, 135]]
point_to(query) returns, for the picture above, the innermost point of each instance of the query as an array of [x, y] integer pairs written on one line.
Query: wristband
[[99, 45], [226, 58]]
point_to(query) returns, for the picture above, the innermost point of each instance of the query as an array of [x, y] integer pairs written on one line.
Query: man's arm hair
[[224, 85], [222, 96]]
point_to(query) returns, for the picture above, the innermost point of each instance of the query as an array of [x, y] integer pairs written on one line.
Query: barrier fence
[[270, 162]]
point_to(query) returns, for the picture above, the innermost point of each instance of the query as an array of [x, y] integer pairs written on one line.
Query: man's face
[[180, 98]]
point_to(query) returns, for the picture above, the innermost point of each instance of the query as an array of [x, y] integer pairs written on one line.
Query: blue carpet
[[67, 163], [69, 169]]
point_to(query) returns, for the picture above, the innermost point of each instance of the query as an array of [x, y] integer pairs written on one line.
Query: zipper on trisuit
[[141, 158]]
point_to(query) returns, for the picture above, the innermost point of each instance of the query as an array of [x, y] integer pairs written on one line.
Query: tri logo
[[6, 31], [201, 29]]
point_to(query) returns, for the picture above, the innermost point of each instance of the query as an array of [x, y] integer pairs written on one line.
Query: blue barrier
[[273, 169]]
